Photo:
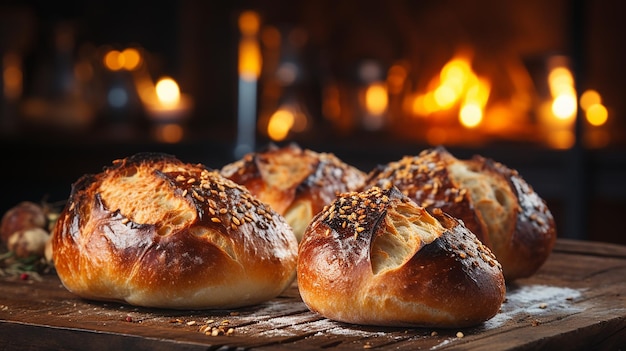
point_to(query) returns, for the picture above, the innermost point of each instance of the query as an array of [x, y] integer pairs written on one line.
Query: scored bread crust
[[295, 182], [377, 258], [153, 231], [493, 201]]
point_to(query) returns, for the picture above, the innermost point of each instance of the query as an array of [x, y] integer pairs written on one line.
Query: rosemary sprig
[[11, 265]]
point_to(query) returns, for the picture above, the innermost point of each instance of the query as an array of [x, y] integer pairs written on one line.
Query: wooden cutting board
[[576, 301]]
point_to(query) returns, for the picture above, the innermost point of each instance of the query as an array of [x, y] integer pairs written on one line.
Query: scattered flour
[[536, 300]]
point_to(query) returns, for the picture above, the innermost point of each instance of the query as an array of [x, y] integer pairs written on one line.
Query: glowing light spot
[[471, 115], [376, 99], [564, 106], [279, 124], [445, 96], [597, 115], [249, 23], [167, 91], [588, 98], [113, 60], [131, 59]]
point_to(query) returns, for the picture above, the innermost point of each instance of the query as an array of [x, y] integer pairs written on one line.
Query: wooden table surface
[[576, 301]]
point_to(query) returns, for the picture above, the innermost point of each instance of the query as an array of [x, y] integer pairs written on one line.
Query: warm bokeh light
[[456, 73], [445, 96], [376, 99], [476, 97], [456, 85], [471, 115], [167, 91], [563, 92], [597, 115], [249, 59], [131, 59], [396, 76], [560, 80], [418, 106], [424, 105], [564, 106], [588, 98], [12, 76], [279, 124], [169, 133], [249, 23], [113, 60]]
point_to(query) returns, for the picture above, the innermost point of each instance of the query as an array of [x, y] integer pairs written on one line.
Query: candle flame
[[249, 50]]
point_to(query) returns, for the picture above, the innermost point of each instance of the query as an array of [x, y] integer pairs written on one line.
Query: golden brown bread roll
[[153, 231], [493, 201], [295, 182], [376, 258]]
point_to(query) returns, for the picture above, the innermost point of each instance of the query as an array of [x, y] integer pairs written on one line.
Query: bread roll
[[493, 201], [377, 258], [295, 182], [23, 216], [153, 231]]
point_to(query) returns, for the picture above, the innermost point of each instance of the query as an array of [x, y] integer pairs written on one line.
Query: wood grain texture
[[576, 301]]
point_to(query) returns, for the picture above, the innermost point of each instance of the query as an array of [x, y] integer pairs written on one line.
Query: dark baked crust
[[377, 258], [529, 243], [493, 201], [295, 182], [153, 231], [426, 180]]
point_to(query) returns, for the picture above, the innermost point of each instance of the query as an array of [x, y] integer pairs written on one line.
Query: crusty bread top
[[295, 182], [375, 257], [493, 201], [425, 179], [154, 231], [280, 176]]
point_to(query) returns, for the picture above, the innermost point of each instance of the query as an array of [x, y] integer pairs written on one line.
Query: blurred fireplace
[[437, 72], [434, 72]]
